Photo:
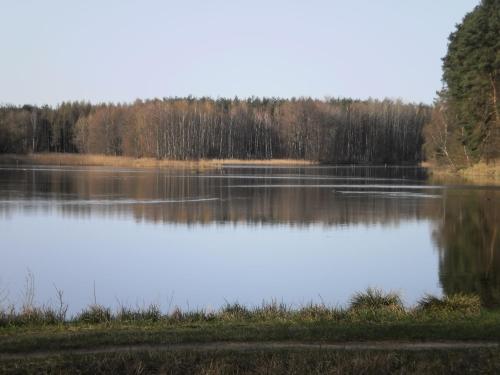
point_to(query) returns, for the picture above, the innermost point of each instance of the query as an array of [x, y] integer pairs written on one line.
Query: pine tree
[[471, 75]]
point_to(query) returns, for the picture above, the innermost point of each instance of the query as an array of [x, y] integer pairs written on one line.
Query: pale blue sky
[[97, 50]]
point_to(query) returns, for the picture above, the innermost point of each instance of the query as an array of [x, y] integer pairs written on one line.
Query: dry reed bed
[[129, 162], [478, 173]]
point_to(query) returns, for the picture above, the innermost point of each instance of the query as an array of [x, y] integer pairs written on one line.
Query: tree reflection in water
[[465, 219], [469, 244]]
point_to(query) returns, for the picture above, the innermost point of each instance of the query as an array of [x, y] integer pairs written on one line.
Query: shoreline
[[97, 160], [192, 342], [130, 162], [477, 173], [375, 323]]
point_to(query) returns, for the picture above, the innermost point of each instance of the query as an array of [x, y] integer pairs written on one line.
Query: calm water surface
[[199, 239]]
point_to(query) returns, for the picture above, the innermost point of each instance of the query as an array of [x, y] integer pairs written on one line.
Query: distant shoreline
[[125, 161], [480, 172], [75, 159]]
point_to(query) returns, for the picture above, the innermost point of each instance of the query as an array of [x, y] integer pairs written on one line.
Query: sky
[[121, 50]]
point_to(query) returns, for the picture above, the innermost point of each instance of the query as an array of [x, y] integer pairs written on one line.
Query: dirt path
[[259, 346]]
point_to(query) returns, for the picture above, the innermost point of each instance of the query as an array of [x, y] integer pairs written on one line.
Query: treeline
[[341, 131], [465, 126], [40, 129]]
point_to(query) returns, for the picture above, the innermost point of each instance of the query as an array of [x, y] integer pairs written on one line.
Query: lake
[[247, 234]]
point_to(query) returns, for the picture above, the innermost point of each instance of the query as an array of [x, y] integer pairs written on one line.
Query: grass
[[265, 362], [372, 315], [465, 304], [485, 327], [376, 305], [374, 299], [95, 314], [130, 162], [487, 173], [151, 313], [30, 316], [373, 305], [489, 170]]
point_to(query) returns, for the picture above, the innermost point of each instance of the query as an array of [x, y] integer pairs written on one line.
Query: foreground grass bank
[[129, 162], [482, 361], [143, 340]]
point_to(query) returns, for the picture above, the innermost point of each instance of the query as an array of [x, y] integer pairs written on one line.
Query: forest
[[465, 125], [460, 129], [333, 130]]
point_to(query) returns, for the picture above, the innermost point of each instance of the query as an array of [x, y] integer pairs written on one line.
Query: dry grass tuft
[[374, 298], [465, 304]]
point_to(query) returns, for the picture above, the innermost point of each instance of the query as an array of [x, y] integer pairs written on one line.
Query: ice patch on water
[[105, 202], [388, 194]]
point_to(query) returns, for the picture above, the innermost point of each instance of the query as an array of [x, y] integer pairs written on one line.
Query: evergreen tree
[[471, 75]]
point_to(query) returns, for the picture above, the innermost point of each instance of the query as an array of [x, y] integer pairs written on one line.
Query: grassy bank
[[66, 337], [128, 162], [482, 170], [101, 340], [478, 173], [372, 305]]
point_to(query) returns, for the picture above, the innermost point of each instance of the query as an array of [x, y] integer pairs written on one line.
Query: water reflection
[[298, 196], [464, 220], [469, 245]]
